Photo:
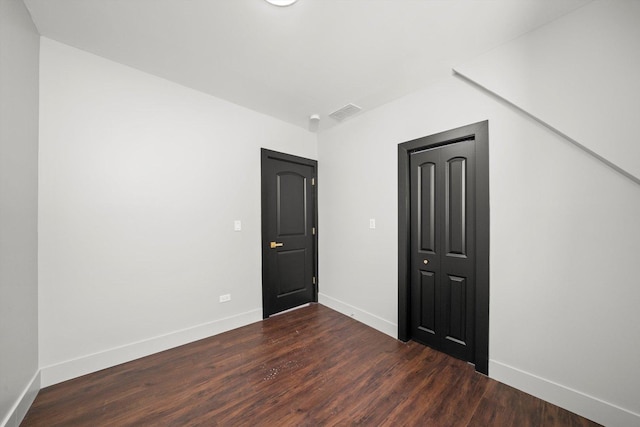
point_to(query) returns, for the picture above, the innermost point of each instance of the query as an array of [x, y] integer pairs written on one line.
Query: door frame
[[480, 133], [266, 154]]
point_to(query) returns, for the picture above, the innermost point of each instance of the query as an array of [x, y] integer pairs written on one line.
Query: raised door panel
[[427, 302], [427, 207], [291, 204], [455, 205], [455, 304], [291, 265]]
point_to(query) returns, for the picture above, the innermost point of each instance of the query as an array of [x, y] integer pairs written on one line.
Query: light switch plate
[[237, 225], [372, 223]]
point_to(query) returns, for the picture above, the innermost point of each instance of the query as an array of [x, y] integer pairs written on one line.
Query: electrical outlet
[[372, 223], [225, 297], [237, 225]]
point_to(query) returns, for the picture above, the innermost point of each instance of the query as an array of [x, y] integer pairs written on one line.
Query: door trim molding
[[270, 154], [480, 133]]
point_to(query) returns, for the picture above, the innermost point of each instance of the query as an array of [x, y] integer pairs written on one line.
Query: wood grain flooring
[[308, 367]]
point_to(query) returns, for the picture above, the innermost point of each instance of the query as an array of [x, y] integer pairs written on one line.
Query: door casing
[[480, 133], [264, 156]]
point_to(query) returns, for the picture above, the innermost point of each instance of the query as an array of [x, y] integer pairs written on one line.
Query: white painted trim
[[22, 405], [74, 368], [612, 165], [573, 400], [365, 317]]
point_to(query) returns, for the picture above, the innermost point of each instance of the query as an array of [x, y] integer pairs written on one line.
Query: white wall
[[140, 182], [141, 179], [565, 239], [579, 75], [18, 211]]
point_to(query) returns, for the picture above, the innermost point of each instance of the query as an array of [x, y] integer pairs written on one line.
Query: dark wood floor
[[308, 367]]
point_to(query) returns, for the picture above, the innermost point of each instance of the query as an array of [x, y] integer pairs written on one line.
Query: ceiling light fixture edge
[[281, 3]]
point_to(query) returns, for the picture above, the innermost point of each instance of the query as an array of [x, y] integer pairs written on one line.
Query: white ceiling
[[291, 62]]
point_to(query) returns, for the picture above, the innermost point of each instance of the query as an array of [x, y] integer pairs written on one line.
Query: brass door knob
[[275, 245], [426, 261]]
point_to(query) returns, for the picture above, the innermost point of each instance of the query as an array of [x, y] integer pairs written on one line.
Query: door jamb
[[270, 154], [480, 133]]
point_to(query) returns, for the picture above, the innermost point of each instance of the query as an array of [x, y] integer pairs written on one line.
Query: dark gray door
[[442, 248], [288, 231]]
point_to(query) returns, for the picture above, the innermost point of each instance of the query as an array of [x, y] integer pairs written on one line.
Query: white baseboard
[[365, 317], [587, 406], [582, 404], [67, 370], [22, 405], [575, 401]]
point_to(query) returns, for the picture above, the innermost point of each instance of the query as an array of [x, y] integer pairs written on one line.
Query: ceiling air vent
[[344, 112]]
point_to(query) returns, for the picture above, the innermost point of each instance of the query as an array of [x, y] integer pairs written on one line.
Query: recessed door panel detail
[[456, 206], [291, 208], [456, 309], [428, 301], [291, 269], [427, 194]]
